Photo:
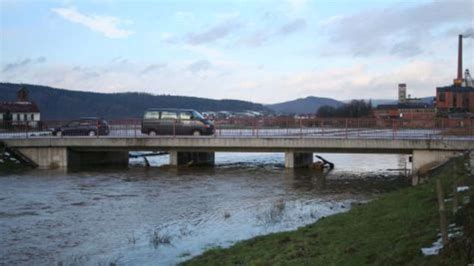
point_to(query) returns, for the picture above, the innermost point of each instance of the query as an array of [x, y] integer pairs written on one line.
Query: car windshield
[[197, 115]]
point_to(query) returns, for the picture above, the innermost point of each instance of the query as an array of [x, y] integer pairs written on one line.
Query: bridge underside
[[52, 158], [61, 157]]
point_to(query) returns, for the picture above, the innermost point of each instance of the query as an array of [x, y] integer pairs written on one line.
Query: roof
[[171, 109], [19, 107], [404, 106], [455, 88]]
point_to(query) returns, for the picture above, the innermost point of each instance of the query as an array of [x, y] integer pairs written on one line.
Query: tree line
[[355, 108]]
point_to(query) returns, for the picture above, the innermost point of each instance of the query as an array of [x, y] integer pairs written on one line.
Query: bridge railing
[[341, 128]]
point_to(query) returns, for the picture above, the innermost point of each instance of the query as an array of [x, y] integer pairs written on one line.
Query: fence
[[342, 128]]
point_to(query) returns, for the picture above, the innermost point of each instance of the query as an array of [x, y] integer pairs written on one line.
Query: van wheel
[[59, 133], [91, 133], [196, 133], [152, 133]]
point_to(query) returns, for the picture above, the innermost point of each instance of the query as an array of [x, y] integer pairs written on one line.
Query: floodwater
[[162, 216]]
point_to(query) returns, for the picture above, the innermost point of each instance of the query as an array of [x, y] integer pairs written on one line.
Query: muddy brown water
[[161, 216]]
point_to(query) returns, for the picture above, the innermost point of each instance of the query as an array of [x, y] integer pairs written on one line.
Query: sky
[[260, 51]]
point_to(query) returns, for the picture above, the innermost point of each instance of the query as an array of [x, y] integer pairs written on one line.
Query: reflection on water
[[160, 216]]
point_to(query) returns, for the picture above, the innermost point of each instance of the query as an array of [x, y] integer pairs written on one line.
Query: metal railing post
[[301, 128], [322, 127], [442, 128], [256, 127], [358, 128], [135, 127], [174, 128], [393, 129], [346, 128]]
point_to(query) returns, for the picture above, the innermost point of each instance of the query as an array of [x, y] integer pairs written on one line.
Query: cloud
[[293, 26], [198, 66], [297, 6], [214, 33], [168, 38], [184, 16], [256, 39], [23, 63], [399, 30], [260, 37], [41, 59], [406, 49], [153, 67], [107, 25]]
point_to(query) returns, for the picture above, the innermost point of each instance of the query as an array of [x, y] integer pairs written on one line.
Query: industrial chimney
[[458, 80]]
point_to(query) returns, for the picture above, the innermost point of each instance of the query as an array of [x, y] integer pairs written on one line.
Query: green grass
[[387, 231]]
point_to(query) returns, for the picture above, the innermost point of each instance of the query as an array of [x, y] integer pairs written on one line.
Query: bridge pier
[[97, 158], [423, 160], [298, 159], [178, 158], [52, 158]]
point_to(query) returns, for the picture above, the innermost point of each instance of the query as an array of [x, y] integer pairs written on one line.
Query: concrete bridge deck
[[244, 144], [53, 152]]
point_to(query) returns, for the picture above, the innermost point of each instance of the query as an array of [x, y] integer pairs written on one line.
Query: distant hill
[[303, 105], [66, 104]]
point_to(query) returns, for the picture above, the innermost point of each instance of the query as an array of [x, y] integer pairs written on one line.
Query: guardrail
[[341, 128]]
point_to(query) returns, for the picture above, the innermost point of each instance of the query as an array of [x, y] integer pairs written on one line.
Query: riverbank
[[9, 164], [389, 230]]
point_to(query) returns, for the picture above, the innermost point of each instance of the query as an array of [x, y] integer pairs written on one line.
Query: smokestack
[[460, 59]]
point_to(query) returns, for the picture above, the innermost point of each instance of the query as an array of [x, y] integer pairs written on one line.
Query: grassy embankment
[[387, 231]]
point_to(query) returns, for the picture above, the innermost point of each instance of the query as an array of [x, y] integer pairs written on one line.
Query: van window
[[168, 115], [197, 115], [185, 115], [152, 115]]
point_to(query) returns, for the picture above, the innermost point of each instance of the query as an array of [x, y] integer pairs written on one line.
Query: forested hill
[[308, 105], [65, 104]]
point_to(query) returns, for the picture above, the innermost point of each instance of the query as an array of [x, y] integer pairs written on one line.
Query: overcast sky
[[262, 51]]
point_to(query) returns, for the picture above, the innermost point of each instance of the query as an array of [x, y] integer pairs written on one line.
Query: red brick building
[[455, 99], [410, 114]]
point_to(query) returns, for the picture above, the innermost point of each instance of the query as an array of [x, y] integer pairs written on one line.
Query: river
[[161, 215]]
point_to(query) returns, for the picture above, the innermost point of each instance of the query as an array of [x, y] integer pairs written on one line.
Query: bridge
[[427, 146]]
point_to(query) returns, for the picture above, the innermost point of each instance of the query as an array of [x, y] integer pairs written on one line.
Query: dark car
[[175, 122], [90, 126]]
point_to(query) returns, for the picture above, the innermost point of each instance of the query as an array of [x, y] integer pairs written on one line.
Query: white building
[[21, 111]]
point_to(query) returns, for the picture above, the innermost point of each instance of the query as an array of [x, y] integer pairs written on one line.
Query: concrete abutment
[[52, 158], [424, 160], [47, 158]]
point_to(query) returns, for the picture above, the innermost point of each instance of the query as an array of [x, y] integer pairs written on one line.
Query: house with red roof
[[20, 112]]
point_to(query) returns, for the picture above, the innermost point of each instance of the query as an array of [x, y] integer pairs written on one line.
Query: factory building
[[457, 100], [410, 110]]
